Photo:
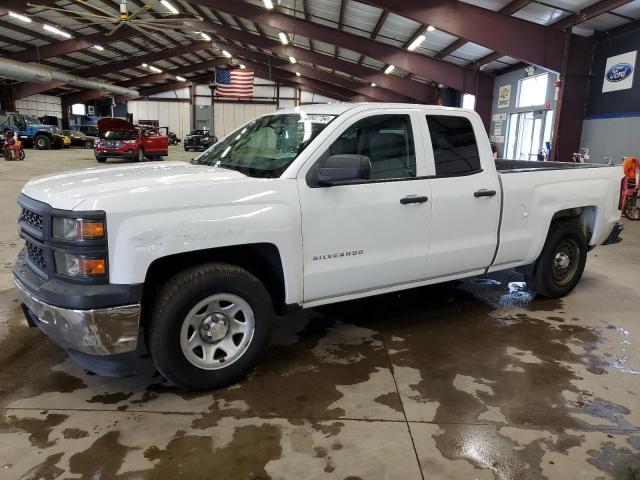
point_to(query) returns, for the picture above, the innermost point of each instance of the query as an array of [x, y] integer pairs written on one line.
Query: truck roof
[[340, 108]]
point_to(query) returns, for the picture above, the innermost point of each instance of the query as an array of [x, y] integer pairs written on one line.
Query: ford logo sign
[[619, 72]]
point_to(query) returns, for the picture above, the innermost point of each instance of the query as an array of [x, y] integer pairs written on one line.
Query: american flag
[[234, 82]]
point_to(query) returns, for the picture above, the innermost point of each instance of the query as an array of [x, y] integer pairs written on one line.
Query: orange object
[[90, 229], [631, 168], [92, 266]]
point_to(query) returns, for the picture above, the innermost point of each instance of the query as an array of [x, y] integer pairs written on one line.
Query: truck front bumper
[[102, 331]]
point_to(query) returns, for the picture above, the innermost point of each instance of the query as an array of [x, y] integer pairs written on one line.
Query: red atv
[[119, 138]]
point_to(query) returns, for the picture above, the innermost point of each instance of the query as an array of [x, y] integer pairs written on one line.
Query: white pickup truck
[[298, 208]]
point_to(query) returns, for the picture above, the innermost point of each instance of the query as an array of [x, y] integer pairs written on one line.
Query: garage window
[[455, 150], [388, 142]]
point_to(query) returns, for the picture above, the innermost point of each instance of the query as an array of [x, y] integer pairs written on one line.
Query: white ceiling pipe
[[30, 72]]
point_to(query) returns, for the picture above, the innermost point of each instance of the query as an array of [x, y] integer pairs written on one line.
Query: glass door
[[525, 135]]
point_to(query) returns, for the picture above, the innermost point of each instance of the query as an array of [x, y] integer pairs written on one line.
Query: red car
[[119, 138]]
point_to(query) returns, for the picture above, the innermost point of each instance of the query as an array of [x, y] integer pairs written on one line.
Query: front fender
[[138, 239]]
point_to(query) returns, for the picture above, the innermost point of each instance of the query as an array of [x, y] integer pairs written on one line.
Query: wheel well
[[41, 132], [584, 217], [261, 259]]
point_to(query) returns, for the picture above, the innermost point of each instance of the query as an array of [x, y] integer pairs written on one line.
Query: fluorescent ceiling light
[[389, 69], [180, 79], [268, 4], [169, 7], [57, 31], [145, 65], [226, 54], [431, 28], [298, 74], [205, 36], [154, 69], [98, 47], [373, 84], [292, 60], [283, 38], [19, 17], [416, 43], [242, 66]]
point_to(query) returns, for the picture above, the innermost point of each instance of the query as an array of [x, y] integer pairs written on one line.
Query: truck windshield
[[31, 120], [120, 135], [267, 146]]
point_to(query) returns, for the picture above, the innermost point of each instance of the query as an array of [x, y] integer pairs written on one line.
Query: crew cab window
[[455, 149], [388, 142]]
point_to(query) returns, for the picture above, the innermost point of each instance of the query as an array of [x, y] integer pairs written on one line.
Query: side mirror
[[342, 169]]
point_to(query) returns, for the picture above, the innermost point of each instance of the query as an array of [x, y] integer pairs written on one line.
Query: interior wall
[[40, 105], [229, 116], [175, 115], [611, 127]]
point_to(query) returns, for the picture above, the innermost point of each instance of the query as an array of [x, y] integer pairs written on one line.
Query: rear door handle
[[413, 199], [485, 193]]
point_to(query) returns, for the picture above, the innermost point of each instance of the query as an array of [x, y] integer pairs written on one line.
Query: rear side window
[[455, 149]]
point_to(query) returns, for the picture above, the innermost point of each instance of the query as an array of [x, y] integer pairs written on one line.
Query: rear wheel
[[88, 144], [101, 159], [140, 156], [632, 209], [211, 324], [561, 263]]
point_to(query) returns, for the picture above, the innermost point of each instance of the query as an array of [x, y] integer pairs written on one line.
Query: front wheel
[[210, 325], [101, 159], [42, 142], [561, 263], [141, 157]]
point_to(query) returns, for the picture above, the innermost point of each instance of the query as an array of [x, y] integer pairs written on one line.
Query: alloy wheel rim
[[217, 331], [565, 262]]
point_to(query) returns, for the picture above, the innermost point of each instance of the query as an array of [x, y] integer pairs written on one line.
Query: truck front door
[[370, 234], [465, 193], [154, 143]]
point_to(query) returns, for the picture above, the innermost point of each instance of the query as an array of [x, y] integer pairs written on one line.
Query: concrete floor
[[470, 380]]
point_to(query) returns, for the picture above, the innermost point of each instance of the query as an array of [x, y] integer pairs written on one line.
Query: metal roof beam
[[460, 78], [592, 11], [528, 41]]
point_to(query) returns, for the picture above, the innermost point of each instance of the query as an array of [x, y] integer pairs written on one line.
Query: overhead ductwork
[[30, 72]]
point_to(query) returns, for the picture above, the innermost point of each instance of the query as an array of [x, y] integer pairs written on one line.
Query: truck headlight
[[65, 228], [79, 266]]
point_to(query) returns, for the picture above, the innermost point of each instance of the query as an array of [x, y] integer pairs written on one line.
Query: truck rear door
[[465, 194]]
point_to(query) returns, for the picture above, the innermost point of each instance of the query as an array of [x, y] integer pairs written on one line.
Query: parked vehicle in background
[[32, 132], [66, 140], [79, 139], [199, 140], [173, 139], [299, 208], [122, 139], [89, 130]]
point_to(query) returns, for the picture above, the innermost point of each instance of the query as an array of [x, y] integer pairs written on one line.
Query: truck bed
[[519, 166]]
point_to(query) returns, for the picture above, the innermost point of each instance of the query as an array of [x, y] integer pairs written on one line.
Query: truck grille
[[36, 255], [31, 218]]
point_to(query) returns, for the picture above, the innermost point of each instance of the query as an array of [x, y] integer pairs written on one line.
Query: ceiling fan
[[126, 18]]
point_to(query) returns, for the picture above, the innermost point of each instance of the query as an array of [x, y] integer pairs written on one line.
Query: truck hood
[[68, 190]]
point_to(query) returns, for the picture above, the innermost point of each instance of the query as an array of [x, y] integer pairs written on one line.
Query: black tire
[[186, 149], [42, 142], [88, 144], [184, 291], [101, 159], [140, 156], [22, 154], [548, 277]]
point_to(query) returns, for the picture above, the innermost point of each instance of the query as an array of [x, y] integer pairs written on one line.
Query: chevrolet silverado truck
[[193, 262], [119, 138]]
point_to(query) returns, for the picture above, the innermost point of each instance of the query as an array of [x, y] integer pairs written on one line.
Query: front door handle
[[485, 193], [413, 199]]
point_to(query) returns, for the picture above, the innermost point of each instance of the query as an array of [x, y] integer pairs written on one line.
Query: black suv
[[199, 140]]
